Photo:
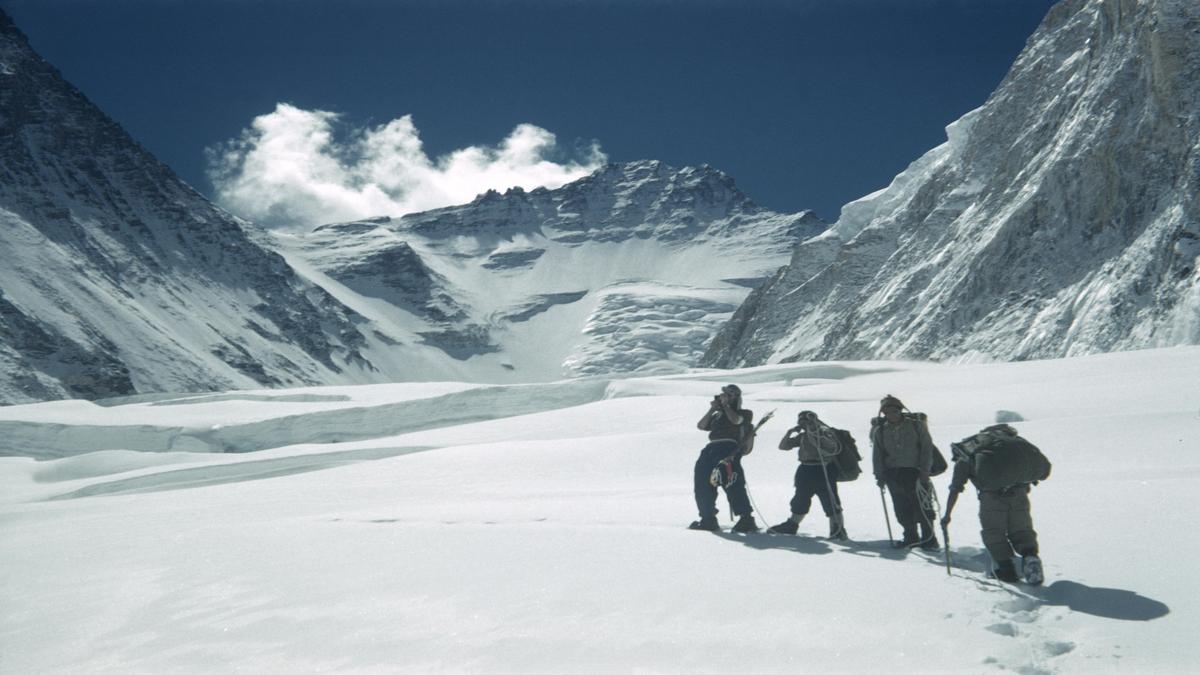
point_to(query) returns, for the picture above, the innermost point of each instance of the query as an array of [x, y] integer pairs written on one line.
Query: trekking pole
[[946, 538], [887, 519]]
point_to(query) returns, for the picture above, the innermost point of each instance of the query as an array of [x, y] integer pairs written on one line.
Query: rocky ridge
[[119, 278], [1061, 218]]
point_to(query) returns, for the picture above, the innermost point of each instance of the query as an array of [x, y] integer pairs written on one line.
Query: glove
[[946, 521], [879, 482]]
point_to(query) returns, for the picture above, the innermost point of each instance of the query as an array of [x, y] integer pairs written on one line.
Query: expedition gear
[[723, 474], [818, 448], [1009, 464], [1031, 569], [1000, 458], [709, 524], [887, 520], [946, 538], [837, 528], [789, 526], [903, 457], [847, 457], [1006, 571], [710, 458], [745, 524], [731, 436]]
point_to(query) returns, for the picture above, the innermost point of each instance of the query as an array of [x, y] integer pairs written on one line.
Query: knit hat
[[890, 401]]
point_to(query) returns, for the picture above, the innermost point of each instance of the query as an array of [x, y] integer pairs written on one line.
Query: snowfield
[[455, 527]]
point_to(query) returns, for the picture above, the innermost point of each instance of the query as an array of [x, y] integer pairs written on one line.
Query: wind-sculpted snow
[[1059, 218], [549, 530]]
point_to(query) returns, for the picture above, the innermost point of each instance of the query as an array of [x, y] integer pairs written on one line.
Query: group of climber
[[997, 461]]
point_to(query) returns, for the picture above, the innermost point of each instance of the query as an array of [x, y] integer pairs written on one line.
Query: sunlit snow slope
[[460, 527]]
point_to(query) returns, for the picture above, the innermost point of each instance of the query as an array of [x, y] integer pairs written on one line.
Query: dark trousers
[[706, 494], [810, 480], [902, 483]]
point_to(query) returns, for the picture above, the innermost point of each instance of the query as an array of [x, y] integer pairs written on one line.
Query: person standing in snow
[[1005, 516], [902, 457], [817, 474], [731, 436]]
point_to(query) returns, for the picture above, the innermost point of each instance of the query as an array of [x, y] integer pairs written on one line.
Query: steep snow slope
[[630, 269], [118, 278], [546, 534], [1061, 218]]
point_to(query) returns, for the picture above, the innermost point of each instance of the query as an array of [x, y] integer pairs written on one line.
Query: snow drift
[[546, 532]]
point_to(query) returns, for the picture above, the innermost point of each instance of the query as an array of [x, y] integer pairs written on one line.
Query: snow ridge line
[[51, 440]]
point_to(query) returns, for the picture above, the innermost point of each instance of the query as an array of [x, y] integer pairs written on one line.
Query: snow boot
[[745, 524], [709, 524], [910, 539], [786, 527], [929, 543], [1006, 571], [1031, 569], [837, 531], [789, 526]]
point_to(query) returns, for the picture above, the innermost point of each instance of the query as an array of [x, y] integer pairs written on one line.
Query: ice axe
[[887, 519], [946, 539]]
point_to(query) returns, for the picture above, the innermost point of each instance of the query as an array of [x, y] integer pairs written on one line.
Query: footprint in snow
[[1058, 648], [1005, 629]]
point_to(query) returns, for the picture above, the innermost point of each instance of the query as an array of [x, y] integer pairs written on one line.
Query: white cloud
[[289, 169]]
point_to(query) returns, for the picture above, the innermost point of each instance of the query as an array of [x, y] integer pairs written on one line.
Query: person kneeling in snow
[[731, 435]]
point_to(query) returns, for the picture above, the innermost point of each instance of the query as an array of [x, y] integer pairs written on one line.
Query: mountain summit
[[1060, 218], [119, 279], [630, 269]]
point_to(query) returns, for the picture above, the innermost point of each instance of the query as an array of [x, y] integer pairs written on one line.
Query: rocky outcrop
[[119, 278], [1060, 218]]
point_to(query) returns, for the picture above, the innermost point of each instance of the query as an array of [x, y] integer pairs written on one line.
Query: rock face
[[1061, 218], [630, 269], [117, 278]]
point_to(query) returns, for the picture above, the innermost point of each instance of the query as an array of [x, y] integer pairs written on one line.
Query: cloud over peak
[[297, 168]]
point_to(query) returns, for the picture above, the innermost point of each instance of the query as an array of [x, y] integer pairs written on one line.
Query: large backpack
[[1000, 458], [939, 465], [847, 458]]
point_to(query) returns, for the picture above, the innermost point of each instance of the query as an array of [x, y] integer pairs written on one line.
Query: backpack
[[1000, 458], [939, 465], [847, 458]]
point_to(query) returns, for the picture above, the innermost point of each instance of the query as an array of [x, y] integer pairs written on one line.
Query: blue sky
[[807, 104]]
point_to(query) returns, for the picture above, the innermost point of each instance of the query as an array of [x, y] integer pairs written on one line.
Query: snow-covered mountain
[[630, 269], [118, 278], [1060, 218]]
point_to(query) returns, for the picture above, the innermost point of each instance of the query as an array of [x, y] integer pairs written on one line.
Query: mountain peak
[[1054, 221]]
